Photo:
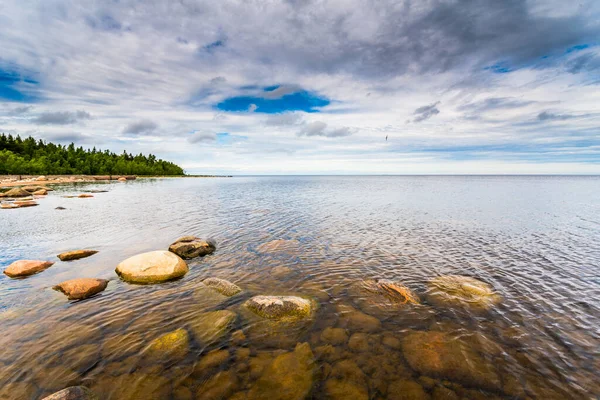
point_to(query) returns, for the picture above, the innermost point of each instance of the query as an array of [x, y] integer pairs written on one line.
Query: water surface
[[536, 240]]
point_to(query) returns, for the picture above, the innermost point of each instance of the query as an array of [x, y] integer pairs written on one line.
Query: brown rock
[[85, 196], [406, 389], [73, 393], [122, 179], [222, 286], [17, 192], [81, 288], [191, 247], [8, 206], [25, 203], [40, 192], [334, 336], [76, 254], [26, 267], [152, 267]]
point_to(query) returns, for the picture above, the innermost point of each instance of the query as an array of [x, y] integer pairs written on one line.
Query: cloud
[[202, 137], [495, 103], [140, 127], [252, 107], [549, 116], [61, 117], [20, 110], [285, 119], [319, 128], [426, 112], [277, 92]]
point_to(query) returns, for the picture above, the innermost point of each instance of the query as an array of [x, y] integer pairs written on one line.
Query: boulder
[[209, 362], [76, 254], [73, 393], [346, 381], [354, 320], [438, 354], [152, 267], [25, 203], [219, 386], [288, 377], [212, 326], [191, 247], [40, 192], [122, 179], [334, 336], [41, 178], [26, 267], [32, 189], [169, 347], [81, 288], [222, 286], [85, 196], [462, 291], [17, 192], [280, 307]]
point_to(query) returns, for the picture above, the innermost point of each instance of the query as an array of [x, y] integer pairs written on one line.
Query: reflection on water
[[365, 249]]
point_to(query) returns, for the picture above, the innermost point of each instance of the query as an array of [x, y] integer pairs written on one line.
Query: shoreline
[[23, 180]]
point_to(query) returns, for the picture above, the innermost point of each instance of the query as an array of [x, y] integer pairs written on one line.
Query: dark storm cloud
[[61, 117], [426, 112], [140, 127]]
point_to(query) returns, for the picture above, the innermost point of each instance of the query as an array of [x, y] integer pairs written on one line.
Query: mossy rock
[[171, 346], [212, 326], [290, 376], [281, 307], [222, 286], [462, 291], [438, 354]]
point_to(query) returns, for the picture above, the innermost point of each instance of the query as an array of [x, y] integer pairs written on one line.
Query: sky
[[309, 86]]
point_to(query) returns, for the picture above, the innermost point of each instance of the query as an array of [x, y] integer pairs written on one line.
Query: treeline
[[30, 157]]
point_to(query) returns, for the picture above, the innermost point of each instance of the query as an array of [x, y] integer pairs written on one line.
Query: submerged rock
[[288, 377], [384, 297], [280, 307], [209, 327], [354, 320], [438, 354], [26, 267], [76, 254], [222, 286], [334, 336], [171, 346], [73, 393], [406, 389], [347, 381], [81, 288], [220, 386], [462, 291], [17, 192], [279, 246], [191, 247], [152, 267]]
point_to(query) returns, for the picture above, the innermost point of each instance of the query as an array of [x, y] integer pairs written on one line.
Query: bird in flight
[[386, 137]]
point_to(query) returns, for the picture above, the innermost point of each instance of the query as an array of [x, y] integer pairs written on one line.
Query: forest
[[36, 157]]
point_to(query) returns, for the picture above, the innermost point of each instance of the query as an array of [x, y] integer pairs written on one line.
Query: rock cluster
[[189, 247]]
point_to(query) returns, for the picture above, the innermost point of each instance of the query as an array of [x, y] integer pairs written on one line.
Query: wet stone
[[209, 361], [171, 346], [73, 393], [81, 288], [462, 291], [152, 267], [222, 286], [334, 336], [406, 390], [26, 267], [212, 326], [188, 247], [76, 254], [220, 386]]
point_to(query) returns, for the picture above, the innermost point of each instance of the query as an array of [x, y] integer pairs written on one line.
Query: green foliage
[[30, 157]]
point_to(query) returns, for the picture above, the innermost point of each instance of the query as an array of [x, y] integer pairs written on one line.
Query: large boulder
[[172, 346], [191, 247], [26, 267], [462, 291], [212, 326], [222, 286], [17, 192], [441, 355], [152, 267], [289, 376], [280, 307], [76, 254], [81, 288], [73, 393]]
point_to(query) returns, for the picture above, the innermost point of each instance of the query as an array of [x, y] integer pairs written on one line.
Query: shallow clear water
[[536, 240]]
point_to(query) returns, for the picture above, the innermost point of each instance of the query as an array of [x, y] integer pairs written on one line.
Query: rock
[[152, 267], [25, 203], [279, 246], [220, 386], [41, 178], [280, 307], [17, 192], [386, 298], [73, 393], [209, 327], [101, 178], [191, 247], [406, 389], [122, 179], [81, 288], [288, 377], [76, 254], [26, 267], [443, 393], [238, 338], [171, 346], [8, 206], [438, 354], [359, 342], [391, 341], [222, 286], [355, 320], [122, 345], [60, 208], [85, 196], [40, 192], [334, 336], [337, 389], [462, 291], [280, 271], [133, 386], [209, 361]]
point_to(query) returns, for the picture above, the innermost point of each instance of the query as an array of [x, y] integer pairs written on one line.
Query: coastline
[[20, 180]]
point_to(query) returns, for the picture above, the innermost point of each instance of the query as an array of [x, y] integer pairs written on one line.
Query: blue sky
[[311, 87]]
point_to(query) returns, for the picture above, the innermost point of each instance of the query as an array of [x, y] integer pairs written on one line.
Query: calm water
[[536, 240]]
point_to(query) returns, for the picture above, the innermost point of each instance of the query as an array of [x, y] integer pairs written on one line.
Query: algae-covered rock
[[289, 377], [210, 361], [337, 389], [171, 346], [222, 286], [76, 254], [191, 247], [354, 320], [220, 386], [462, 291], [334, 336], [406, 389], [438, 354], [211, 326], [152, 267], [73, 393], [280, 307]]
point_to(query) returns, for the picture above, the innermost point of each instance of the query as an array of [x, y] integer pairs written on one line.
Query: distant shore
[[20, 180]]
